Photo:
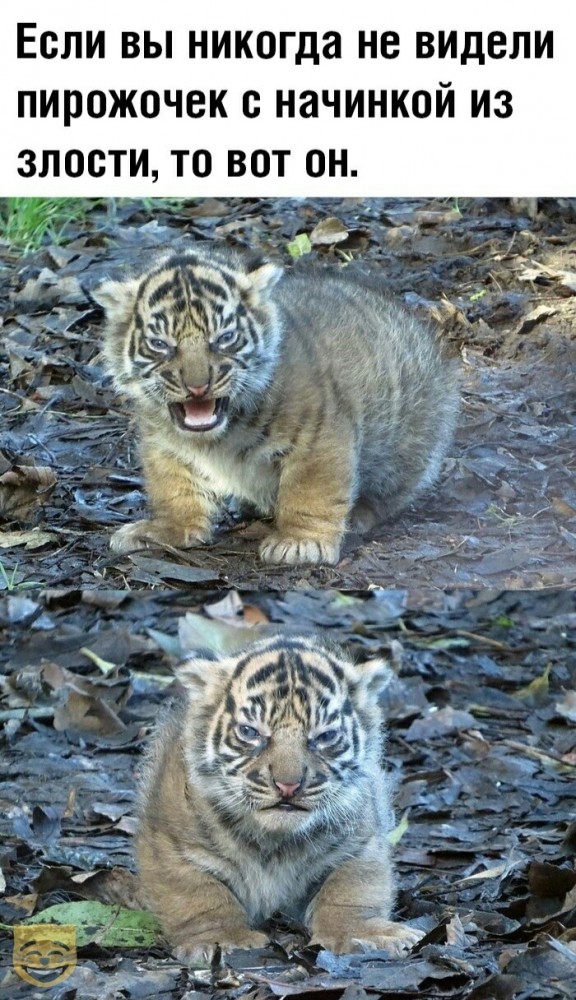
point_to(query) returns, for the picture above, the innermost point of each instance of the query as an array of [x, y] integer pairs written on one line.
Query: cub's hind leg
[[181, 505], [364, 516]]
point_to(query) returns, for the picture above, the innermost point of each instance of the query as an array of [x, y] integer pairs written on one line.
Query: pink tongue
[[199, 412]]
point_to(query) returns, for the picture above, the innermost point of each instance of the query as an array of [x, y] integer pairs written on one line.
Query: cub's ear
[[371, 678], [262, 277], [117, 298], [199, 674]]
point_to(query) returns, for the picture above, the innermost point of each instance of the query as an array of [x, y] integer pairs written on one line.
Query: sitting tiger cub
[[308, 394], [264, 792]]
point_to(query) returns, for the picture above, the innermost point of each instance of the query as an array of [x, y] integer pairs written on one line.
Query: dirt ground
[[500, 286], [481, 720], [470, 593]]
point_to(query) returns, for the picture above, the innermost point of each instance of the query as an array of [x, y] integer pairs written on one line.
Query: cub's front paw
[[293, 551], [200, 952], [143, 534], [373, 935]]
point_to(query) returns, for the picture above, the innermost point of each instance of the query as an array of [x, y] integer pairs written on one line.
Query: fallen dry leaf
[[23, 487], [327, 232], [35, 538]]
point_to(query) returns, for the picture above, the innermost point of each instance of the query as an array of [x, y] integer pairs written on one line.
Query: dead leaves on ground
[[497, 284], [481, 744]]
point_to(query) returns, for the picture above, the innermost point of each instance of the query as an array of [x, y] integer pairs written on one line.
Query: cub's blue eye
[[327, 738], [247, 733], [227, 338], [156, 344]]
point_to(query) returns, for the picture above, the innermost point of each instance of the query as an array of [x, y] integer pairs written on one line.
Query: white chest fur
[[232, 467], [284, 884]]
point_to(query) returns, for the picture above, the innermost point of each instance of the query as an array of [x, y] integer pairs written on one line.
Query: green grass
[[9, 582], [27, 223]]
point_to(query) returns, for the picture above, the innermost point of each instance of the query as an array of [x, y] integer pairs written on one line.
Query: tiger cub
[[309, 394], [264, 792]]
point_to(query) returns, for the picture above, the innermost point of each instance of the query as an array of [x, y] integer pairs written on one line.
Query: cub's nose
[[288, 790], [198, 390]]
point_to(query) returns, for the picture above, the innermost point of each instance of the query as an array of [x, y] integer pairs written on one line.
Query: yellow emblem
[[44, 954]]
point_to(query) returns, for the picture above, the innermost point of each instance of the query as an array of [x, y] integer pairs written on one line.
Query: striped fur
[[264, 792], [309, 394]]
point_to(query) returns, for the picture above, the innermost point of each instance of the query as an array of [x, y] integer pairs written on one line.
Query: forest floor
[[500, 287], [481, 718], [471, 592]]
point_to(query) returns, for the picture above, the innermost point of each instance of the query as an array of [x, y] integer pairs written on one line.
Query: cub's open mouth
[[199, 414]]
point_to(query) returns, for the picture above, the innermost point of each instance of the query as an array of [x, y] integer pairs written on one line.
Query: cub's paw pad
[[299, 551], [143, 534]]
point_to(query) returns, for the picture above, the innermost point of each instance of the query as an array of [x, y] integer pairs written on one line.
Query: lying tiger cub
[[264, 792], [310, 394]]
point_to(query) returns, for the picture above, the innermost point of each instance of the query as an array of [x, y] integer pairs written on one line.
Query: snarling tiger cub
[[264, 792], [310, 394]]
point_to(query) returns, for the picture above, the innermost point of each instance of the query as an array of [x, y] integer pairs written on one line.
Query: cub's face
[[193, 338], [285, 734]]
